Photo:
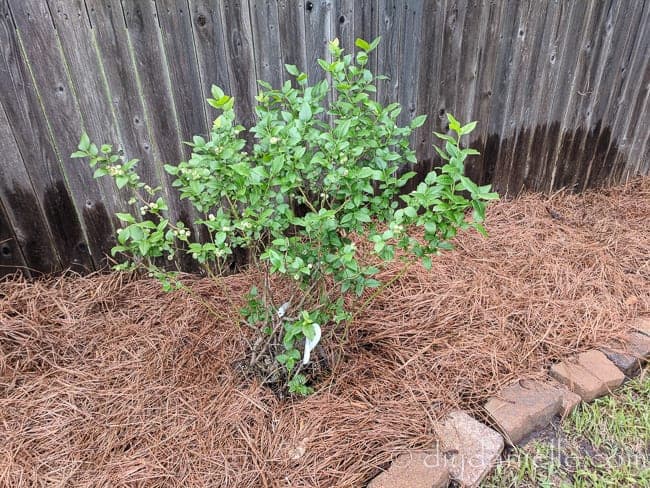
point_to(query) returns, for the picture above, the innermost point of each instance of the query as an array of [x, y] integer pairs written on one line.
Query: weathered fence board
[[342, 19], [210, 41], [391, 20], [610, 87], [240, 57], [11, 256], [63, 113], [292, 32], [431, 34], [266, 38], [111, 43], [317, 34], [180, 53], [26, 106], [560, 90], [366, 26], [26, 217]]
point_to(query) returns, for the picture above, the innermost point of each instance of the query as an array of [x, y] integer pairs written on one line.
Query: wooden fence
[[559, 87]]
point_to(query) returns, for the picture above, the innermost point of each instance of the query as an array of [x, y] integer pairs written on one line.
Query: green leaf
[[220, 238], [445, 137], [489, 196], [308, 331], [223, 100], [137, 234], [172, 170], [305, 112], [121, 181], [426, 262], [216, 92], [441, 153], [466, 129], [418, 121], [365, 172], [453, 123], [78, 154], [372, 283], [144, 247], [292, 69], [361, 44], [84, 143], [125, 217], [410, 212], [481, 229], [324, 64]]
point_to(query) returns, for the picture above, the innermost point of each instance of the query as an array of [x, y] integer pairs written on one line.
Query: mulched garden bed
[[105, 380]]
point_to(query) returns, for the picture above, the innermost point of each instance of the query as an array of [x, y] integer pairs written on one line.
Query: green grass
[[605, 443]]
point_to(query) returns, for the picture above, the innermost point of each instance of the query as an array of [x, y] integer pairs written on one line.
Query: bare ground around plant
[[108, 381]]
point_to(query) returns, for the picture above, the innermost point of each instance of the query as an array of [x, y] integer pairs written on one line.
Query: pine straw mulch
[[106, 381]]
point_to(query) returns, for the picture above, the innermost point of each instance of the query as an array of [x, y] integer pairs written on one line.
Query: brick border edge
[[468, 450]]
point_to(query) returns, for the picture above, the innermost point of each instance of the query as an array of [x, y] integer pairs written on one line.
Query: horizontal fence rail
[[559, 89]]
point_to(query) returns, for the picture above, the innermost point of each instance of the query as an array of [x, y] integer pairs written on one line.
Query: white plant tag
[[283, 309], [311, 344]]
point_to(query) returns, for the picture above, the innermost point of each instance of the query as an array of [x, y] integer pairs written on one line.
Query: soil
[[105, 380]]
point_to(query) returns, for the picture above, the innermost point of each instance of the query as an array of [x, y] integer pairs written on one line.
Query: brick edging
[[468, 449]]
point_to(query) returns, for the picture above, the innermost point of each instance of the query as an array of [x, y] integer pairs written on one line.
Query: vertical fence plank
[[317, 36], [388, 51], [637, 124], [484, 139], [22, 208], [241, 60], [526, 50], [610, 88], [62, 115], [506, 54], [447, 101], [342, 26], [11, 258], [266, 41], [180, 53], [547, 111], [564, 91], [210, 41], [291, 14], [577, 119], [409, 67], [593, 52], [431, 29], [111, 44], [563, 60], [473, 40], [533, 116], [154, 82], [366, 26], [73, 30]]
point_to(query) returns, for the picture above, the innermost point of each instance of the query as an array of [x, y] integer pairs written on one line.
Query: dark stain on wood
[[11, 258], [603, 150], [66, 229], [33, 235], [95, 216]]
